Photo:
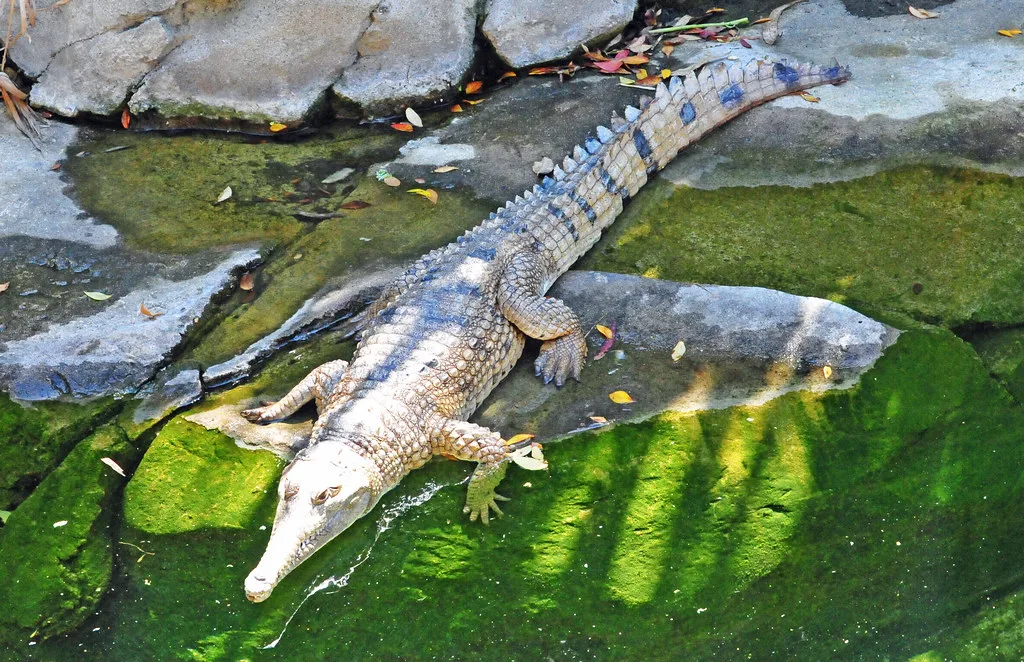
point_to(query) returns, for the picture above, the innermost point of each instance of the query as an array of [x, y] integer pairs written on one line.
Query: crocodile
[[446, 332]]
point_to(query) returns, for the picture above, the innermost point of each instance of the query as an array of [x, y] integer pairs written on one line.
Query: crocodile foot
[[561, 358], [260, 415]]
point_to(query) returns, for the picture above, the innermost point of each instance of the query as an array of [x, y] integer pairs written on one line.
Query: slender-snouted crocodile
[[443, 335]]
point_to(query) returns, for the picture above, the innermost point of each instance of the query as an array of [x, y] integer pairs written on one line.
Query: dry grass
[[21, 14]]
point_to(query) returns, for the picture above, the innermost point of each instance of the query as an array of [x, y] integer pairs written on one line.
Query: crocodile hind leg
[[468, 441], [317, 385], [544, 318]]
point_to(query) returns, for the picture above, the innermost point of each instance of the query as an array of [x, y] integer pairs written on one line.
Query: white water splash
[[390, 514]]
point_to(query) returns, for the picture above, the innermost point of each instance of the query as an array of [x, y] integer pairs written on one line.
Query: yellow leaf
[[626, 80], [827, 371], [600, 420], [277, 126], [444, 169], [666, 73], [921, 13], [474, 87], [429, 194], [473, 102], [604, 331], [97, 296], [678, 350], [507, 74], [620, 398], [456, 108], [1009, 33], [809, 97], [413, 117], [519, 437], [147, 312], [392, 181], [641, 74]]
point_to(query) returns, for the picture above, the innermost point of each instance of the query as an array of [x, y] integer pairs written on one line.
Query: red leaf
[[402, 126], [609, 67], [126, 118], [607, 345], [745, 43]]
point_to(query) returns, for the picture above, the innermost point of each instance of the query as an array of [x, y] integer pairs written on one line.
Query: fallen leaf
[[444, 169], [429, 194], [401, 126], [420, 180], [649, 80], [4, 286], [600, 420], [609, 67], [536, 451], [678, 350], [607, 344], [761, 20], [413, 117], [56, 166], [224, 195], [60, 523], [474, 87], [636, 59], [456, 108], [355, 204], [1009, 33], [666, 73], [392, 181], [544, 166], [97, 296], [518, 438], [113, 465], [604, 331], [770, 33], [639, 45], [714, 10], [744, 43], [147, 312], [473, 102], [337, 176], [276, 127], [529, 463], [641, 74], [807, 96], [507, 75], [620, 398], [126, 119], [4, 514], [921, 13], [827, 371], [666, 49], [247, 282]]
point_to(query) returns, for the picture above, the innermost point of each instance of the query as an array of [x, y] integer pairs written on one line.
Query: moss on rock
[[192, 478], [56, 552], [938, 245], [1002, 350]]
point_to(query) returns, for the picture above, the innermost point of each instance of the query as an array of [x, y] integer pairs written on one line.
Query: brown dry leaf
[[402, 126], [3, 287], [247, 282], [456, 108], [17, 106], [519, 437], [770, 33], [542, 71], [276, 127], [921, 13], [1009, 33], [636, 59], [474, 87], [126, 119], [56, 166], [473, 102], [413, 117], [444, 169], [620, 397], [507, 75], [392, 181], [666, 49], [604, 331], [760, 21], [355, 204], [807, 96], [649, 80], [147, 312], [429, 194], [714, 10]]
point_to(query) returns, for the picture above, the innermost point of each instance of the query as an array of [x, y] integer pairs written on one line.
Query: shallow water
[[879, 522]]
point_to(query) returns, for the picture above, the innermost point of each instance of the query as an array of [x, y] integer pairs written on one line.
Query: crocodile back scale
[[443, 335]]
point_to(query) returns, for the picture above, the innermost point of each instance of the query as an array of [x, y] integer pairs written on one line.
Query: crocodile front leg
[[317, 385], [468, 441], [544, 318]]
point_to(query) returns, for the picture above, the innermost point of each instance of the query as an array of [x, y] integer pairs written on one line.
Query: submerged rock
[[57, 549], [172, 390]]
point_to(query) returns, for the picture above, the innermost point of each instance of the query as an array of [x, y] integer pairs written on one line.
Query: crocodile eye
[[290, 491], [326, 494], [319, 498]]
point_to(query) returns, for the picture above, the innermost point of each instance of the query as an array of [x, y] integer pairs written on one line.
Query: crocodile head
[[322, 492]]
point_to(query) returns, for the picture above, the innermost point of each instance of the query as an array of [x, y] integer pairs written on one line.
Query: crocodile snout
[[257, 588]]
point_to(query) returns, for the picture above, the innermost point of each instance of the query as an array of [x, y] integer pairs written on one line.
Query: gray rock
[[528, 32], [413, 52], [116, 349], [58, 27], [170, 392], [263, 60], [95, 75]]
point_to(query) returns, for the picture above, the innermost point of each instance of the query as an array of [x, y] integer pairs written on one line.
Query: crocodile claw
[[257, 414], [483, 508], [561, 358]]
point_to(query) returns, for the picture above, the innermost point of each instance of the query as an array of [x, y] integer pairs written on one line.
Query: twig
[[726, 24]]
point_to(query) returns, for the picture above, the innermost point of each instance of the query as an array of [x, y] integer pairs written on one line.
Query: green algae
[[192, 478], [56, 551], [33, 440], [937, 245], [871, 522], [1002, 350]]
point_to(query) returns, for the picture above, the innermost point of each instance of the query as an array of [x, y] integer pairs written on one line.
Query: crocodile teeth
[[660, 91], [569, 164], [578, 153], [604, 134], [632, 113], [559, 174], [592, 144], [674, 84]]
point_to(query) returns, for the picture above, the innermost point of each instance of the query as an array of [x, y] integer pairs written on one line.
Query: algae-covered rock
[[1002, 350], [33, 440], [56, 551], [192, 478]]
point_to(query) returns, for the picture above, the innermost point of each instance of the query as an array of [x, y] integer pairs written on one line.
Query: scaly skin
[[445, 334]]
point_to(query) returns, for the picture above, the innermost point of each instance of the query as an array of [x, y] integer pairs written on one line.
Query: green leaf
[[97, 296]]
